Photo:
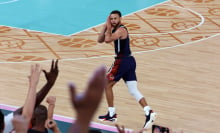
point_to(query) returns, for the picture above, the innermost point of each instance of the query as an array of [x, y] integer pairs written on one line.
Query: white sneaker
[[150, 118]]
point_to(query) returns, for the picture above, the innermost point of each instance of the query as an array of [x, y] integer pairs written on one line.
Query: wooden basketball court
[[176, 45]]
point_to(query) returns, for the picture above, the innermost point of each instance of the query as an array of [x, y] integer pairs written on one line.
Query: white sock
[[147, 109], [111, 111]]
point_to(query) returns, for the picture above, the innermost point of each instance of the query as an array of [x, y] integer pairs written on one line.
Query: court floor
[[175, 43], [64, 17]]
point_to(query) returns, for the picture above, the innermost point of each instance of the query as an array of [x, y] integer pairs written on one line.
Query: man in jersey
[[123, 67]]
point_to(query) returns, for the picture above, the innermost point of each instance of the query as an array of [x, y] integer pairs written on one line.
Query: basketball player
[[123, 67]]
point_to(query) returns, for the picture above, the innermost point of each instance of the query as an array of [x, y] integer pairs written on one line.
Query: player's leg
[[111, 114], [149, 113], [131, 82], [109, 93], [113, 76]]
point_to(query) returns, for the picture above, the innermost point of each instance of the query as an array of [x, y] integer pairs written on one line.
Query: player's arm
[[109, 36], [120, 33], [101, 37]]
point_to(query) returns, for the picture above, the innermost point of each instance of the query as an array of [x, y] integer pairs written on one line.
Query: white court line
[[97, 57], [7, 2], [194, 27], [178, 45], [198, 14], [73, 33], [67, 119], [123, 16]]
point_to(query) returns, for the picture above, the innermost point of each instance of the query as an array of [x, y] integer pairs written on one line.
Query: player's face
[[115, 20]]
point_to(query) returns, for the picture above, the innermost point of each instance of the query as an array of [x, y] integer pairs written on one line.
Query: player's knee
[[133, 90], [110, 84]]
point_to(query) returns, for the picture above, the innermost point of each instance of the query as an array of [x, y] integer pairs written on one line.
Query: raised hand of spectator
[[52, 125], [121, 129], [51, 76], [29, 103], [51, 100], [20, 124], [34, 76], [86, 103]]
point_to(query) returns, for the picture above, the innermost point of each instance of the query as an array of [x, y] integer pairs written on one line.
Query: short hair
[[116, 12], [39, 115], [2, 125]]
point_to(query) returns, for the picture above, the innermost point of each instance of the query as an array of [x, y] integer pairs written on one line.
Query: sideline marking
[[107, 56], [122, 16], [190, 10], [69, 119]]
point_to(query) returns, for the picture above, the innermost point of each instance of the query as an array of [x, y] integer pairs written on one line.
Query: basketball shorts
[[123, 67]]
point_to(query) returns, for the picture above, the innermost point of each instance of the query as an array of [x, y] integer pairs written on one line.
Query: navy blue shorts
[[123, 67]]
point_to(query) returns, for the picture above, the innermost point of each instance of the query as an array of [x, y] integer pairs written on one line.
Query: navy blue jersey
[[124, 65], [122, 46]]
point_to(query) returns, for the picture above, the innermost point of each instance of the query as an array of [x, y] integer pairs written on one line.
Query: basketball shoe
[[107, 117], [150, 118]]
